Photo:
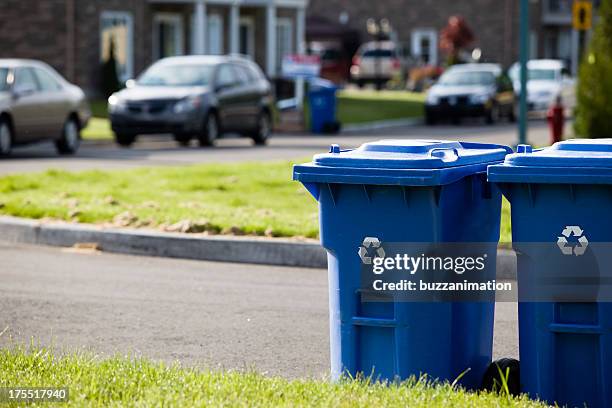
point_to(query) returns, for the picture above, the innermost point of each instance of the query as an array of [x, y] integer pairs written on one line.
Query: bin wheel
[[492, 380]]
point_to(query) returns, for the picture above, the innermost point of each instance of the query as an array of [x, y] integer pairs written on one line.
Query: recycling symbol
[[576, 232], [364, 250]]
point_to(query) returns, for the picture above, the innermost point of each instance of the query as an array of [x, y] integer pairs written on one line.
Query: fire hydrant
[[556, 120]]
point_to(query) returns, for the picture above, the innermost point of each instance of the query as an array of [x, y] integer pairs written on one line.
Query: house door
[[425, 46], [215, 34], [247, 36], [167, 35]]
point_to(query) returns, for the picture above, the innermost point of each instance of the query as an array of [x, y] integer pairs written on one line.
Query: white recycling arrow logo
[[576, 232], [374, 243]]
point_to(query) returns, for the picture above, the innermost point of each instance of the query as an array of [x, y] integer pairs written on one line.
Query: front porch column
[[234, 28], [199, 28], [300, 46], [271, 39]]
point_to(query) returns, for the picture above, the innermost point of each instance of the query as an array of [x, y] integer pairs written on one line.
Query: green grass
[[124, 382], [98, 127], [245, 198], [366, 106], [249, 198]]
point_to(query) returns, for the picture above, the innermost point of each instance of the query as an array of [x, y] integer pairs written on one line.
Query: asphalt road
[[203, 314], [161, 150]]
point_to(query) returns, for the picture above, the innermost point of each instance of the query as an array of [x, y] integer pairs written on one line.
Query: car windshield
[[380, 53], [177, 75], [535, 74], [4, 85], [453, 78]]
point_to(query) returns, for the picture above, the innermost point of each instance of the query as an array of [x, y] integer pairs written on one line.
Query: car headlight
[[188, 104], [432, 99], [115, 104], [479, 98]]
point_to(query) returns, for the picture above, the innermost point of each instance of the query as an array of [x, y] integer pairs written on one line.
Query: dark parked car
[[37, 104], [194, 96], [480, 90]]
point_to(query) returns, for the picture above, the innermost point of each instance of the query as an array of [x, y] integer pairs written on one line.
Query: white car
[[546, 80], [377, 62]]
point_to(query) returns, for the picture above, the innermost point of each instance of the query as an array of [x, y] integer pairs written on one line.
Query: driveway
[[204, 314]]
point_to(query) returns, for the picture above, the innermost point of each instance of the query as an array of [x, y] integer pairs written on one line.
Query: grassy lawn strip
[[366, 106], [127, 382], [245, 198]]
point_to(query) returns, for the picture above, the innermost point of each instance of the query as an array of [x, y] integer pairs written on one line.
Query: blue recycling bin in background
[[323, 106], [404, 191], [565, 190]]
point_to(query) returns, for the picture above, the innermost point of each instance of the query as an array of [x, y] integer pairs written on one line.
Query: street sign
[[301, 66], [583, 15]]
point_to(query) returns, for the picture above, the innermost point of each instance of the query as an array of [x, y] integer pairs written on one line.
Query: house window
[[215, 34], [117, 33], [167, 35], [247, 36], [425, 46], [284, 39]]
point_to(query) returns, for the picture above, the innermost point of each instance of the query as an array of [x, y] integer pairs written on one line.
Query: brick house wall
[[495, 22], [27, 26]]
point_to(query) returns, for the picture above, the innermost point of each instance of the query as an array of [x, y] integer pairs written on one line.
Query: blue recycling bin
[[323, 105], [561, 195], [404, 191]]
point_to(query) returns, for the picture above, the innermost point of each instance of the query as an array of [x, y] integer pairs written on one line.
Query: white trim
[[198, 28], [271, 40], [234, 29], [171, 18], [118, 15], [215, 20], [417, 35], [249, 23]]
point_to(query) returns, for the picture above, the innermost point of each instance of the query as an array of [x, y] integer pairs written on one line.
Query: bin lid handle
[[442, 153]]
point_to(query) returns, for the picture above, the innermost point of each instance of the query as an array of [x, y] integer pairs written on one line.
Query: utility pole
[[523, 56]]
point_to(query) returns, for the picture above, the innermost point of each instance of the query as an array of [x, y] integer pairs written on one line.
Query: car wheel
[[70, 140], [263, 130], [6, 138], [210, 130], [514, 112], [493, 114], [182, 139], [125, 139], [430, 119]]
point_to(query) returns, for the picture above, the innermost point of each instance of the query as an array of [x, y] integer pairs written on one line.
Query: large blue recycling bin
[[565, 347], [323, 104], [404, 191]]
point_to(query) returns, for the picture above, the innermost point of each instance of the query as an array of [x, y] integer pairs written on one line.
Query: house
[[417, 24], [75, 36]]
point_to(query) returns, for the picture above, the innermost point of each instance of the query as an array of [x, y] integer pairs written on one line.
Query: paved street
[[205, 314], [162, 150]]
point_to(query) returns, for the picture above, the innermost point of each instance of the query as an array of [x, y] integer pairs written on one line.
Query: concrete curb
[[252, 250], [381, 124]]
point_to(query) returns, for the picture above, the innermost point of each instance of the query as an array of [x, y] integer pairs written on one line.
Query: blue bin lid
[[401, 162], [579, 161]]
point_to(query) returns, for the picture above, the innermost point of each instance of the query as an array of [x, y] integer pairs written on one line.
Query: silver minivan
[[36, 104]]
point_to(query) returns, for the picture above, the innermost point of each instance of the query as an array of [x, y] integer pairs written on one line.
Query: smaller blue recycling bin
[[561, 197], [405, 191], [323, 105]]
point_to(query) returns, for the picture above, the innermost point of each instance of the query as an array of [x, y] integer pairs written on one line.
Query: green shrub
[[110, 78], [594, 94]]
